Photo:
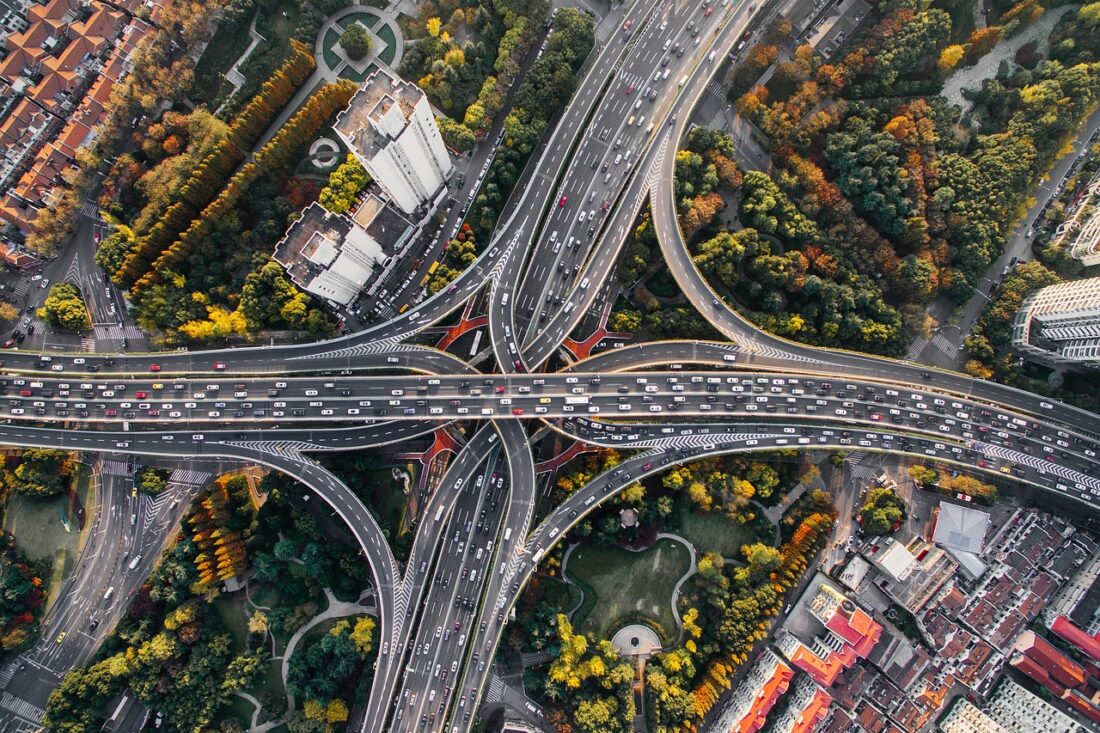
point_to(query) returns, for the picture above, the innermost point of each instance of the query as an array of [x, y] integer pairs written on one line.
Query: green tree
[[345, 183], [65, 308], [882, 512], [42, 472], [356, 41], [151, 480]]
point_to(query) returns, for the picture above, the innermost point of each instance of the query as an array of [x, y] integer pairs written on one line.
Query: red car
[[500, 389], [562, 202], [707, 12], [630, 89], [141, 395], [517, 410], [154, 413], [110, 413], [154, 367], [219, 365], [9, 343]]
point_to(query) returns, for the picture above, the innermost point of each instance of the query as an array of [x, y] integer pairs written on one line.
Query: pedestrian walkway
[[117, 333], [607, 27], [188, 476], [116, 468], [495, 693], [21, 708], [942, 343]]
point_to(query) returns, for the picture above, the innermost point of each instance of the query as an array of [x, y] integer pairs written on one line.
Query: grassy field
[[711, 532], [627, 582], [390, 51], [223, 51], [235, 619], [240, 709], [39, 530], [559, 594]]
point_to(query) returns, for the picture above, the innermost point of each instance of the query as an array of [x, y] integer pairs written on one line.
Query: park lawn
[[627, 583], [39, 531], [232, 614], [369, 20], [238, 708], [221, 53], [712, 531], [560, 595], [389, 53]]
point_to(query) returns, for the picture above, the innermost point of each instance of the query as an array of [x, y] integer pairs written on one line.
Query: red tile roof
[[1060, 667], [16, 258], [814, 712], [1077, 636], [766, 698], [1084, 706]]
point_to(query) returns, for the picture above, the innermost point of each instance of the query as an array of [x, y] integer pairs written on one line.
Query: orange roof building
[[1040, 660], [1077, 636], [850, 635], [748, 706], [808, 707], [57, 76]]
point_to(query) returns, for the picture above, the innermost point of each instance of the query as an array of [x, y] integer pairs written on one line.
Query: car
[[219, 366], [630, 89], [60, 637], [563, 200], [154, 367], [707, 12], [57, 367]]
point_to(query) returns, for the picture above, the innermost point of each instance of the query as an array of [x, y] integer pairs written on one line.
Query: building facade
[[1018, 711], [1060, 324], [390, 128], [966, 718]]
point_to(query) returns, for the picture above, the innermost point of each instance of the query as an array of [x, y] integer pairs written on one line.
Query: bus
[[433, 268], [439, 513]]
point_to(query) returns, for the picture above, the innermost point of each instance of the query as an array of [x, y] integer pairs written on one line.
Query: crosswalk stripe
[[495, 693], [7, 672], [21, 707], [116, 468], [117, 333], [943, 344]]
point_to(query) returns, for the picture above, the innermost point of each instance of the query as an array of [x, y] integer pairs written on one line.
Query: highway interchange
[[443, 613]]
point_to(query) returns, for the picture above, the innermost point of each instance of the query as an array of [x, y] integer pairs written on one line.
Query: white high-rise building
[[390, 128], [330, 255], [966, 718], [1019, 711], [1060, 324]]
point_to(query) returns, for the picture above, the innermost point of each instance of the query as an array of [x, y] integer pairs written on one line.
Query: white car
[[57, 368]]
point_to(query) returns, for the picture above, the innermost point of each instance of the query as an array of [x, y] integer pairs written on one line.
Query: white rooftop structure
[[1060, 324], [965, 717], [1019, 711], [333, 256], [961, 528], [895, 560], [389, 126], [1081, 231]]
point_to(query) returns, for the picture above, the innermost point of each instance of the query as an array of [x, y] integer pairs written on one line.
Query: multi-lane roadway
[[443, 613]]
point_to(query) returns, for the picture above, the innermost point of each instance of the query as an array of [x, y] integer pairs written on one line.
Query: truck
[[576, 400]]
